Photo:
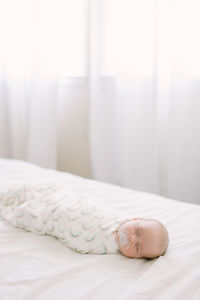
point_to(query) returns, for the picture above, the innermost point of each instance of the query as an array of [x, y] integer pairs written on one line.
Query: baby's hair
[[164, 238]]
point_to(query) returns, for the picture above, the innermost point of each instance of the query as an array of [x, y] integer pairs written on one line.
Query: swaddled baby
[[81, 222]]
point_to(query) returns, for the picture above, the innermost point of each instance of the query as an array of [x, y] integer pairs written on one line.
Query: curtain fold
[[28, 81], [145, 99]]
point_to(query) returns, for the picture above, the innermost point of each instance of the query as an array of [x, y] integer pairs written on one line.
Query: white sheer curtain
[[136, 62], [145, 95], [42, 44]]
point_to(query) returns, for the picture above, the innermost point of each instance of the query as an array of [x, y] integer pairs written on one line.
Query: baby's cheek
[[127, 251]]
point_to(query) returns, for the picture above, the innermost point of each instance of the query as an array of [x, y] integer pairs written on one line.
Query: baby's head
[[142, 238]]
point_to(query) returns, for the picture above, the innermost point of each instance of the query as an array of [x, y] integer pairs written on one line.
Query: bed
[[41, 267]]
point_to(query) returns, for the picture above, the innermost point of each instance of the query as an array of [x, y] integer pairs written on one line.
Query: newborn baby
[[81, 222], [142, 238]]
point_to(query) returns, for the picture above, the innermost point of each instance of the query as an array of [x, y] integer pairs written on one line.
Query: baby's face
[[140, 238]]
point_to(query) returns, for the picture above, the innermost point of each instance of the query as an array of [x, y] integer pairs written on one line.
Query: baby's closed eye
[[138, 230], [138, 248]]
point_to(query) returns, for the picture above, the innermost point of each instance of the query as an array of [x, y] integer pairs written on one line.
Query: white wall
[[73, 139]]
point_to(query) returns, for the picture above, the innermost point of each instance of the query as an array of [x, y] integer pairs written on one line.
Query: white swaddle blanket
[[79, 221]]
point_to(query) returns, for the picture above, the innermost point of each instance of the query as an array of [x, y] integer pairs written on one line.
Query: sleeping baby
[[81, 222]]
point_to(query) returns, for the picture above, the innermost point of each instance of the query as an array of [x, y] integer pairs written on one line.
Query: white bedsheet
[[41, 267]]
